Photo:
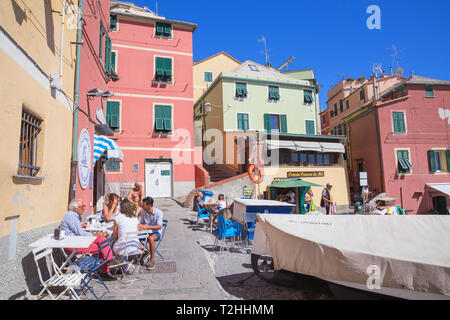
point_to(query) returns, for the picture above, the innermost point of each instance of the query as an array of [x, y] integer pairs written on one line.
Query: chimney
[[390, 71]]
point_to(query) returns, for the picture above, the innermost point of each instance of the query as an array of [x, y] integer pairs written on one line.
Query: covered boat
[[401, 256]]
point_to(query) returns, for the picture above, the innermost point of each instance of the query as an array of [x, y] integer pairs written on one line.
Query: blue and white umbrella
[[105, 148]]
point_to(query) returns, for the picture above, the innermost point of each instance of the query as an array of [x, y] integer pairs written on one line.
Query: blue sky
[[329, 36]]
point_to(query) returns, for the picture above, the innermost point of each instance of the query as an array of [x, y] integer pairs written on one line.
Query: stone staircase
[[218, 172]]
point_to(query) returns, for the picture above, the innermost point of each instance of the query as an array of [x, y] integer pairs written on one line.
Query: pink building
[[402, 141], [151, 112], [93, 74]]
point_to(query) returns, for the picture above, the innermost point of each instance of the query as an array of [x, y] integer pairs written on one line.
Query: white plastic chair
[[69, 280]]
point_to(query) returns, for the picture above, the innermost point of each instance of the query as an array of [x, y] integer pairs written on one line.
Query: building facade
[[37, 59], [405, 145], [151, 110], [207, 70]]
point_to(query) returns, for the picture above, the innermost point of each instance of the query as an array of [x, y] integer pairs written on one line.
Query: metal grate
[[30, 129]]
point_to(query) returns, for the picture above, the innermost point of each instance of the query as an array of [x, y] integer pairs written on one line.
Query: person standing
[[327, 200], [308, 200], [151, 218], [135, 196]]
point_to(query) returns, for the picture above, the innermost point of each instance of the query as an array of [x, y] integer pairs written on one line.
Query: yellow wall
[[336, 175], [218, 64], [36, 30]]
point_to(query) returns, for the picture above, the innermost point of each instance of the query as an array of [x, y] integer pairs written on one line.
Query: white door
[[158, 179]]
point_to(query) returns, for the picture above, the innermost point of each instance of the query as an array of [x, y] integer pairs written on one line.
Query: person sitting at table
[[199, 199], [151, 218], [111, 207], [221, 204], [71, 224], [125, 222]]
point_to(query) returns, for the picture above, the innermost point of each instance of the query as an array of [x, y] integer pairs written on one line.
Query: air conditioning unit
[[55, 81]]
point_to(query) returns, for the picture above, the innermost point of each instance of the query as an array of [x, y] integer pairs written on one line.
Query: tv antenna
[[377, 69], [396, 60], [263, 39]]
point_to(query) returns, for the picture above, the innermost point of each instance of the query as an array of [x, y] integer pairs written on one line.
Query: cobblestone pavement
[[193, 269]]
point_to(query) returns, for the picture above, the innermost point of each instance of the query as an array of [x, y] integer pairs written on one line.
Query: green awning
[[294, 183]]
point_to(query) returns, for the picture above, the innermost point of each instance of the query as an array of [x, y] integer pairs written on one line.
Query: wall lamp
[[99, 93]]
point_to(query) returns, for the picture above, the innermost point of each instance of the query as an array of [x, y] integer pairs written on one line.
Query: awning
[[332, 147], [440, 187], [294, 183], [106, 148], [307, 146], [280, 144]]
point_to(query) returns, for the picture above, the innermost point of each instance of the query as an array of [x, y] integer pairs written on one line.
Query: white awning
[[440, 187], [332, 147], [280, 144], [307, 146]]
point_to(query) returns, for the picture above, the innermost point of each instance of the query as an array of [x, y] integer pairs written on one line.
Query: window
[[242, 121], [241, 90], [362, 95], [135, 167], [113, 23], [274, 122], [331, 114], [436, 160], [29, 145], [112, 165], [311, 158], [307, 97], [339, 130], [208, 76], [163, 69], [347, 104], [398, 119], [326, 158], [324, 119], [319, 158], [341, 106], [335, 109], [253, 67], [429, 93], [113, 115], [403, 163], [309, 125], [163, 118], [285, 156], [274, 93], [163, 30]]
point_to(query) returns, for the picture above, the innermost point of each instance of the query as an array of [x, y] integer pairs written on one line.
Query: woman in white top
[[111, 207], [125, 222]]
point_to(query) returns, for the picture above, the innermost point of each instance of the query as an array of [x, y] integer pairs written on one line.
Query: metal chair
[[69, 280], [146, 245], [227, 229], [92, 267]]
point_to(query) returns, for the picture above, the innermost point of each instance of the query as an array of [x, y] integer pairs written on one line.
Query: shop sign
[[84, 158], [305, 174], [279, 179]]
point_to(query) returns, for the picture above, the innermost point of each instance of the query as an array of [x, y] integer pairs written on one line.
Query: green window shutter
[[167, 115], [113, 61], [307, 96], [277, 93], [159, 118], [398, 119], [113, 114], [447, 156], [429, 91], [240, 121], [208, 76], [245, 120], [100, 48], [159, 29], [159, 68], [113, 22], [108, 54], [168, 30], [432, 160], [168, 69], [309, 126], [267, 122], [283, 121], [241, 90]]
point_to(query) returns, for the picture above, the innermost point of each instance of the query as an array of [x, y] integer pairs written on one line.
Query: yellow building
[[206, 70], [36, 93]]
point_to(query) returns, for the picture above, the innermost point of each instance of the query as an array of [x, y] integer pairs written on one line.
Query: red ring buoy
[[251, 169]]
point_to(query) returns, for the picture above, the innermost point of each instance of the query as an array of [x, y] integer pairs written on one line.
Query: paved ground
[[194, 269]]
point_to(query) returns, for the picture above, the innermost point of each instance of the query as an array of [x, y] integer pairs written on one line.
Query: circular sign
[[84, 158]]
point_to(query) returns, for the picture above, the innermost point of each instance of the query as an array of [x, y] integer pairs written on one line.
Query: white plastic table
[[76, 242]]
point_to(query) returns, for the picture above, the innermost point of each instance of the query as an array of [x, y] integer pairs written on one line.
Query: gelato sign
[[84, 158], [305, 174]]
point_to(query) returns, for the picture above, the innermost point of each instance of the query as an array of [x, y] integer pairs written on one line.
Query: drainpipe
[[315, 109], [73, 166]]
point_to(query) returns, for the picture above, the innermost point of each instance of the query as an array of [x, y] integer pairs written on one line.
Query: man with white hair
[[71, 224]]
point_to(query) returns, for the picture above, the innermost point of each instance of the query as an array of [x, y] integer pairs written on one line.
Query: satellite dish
[[399, 71]]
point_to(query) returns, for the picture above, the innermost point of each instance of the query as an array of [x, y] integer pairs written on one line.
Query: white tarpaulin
[[440, 187], [411, 252], [307, 146], [332, 147], [278, 144]]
